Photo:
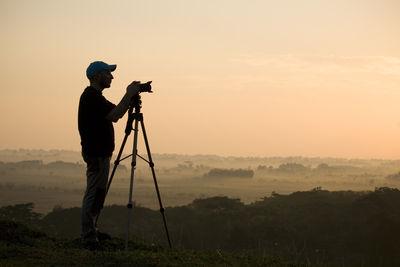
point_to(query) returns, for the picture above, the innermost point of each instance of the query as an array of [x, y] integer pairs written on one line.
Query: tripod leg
[[155, 180], [133, 167]]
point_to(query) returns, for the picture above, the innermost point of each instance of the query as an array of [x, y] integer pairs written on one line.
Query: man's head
[[99, 74]]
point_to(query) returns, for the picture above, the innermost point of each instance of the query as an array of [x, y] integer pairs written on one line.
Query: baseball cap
[[98, 66]]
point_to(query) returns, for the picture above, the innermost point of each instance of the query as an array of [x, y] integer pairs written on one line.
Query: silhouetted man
[[95, 117]]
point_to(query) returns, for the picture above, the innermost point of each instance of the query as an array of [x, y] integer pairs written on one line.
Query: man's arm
[[119, 111]]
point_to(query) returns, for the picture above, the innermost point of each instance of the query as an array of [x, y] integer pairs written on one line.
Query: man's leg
[[97, 177]]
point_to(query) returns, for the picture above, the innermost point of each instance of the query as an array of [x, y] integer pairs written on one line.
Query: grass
[[22, 246], [56, 255]]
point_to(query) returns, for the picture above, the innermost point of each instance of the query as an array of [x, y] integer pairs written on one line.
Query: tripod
[[134, 115]]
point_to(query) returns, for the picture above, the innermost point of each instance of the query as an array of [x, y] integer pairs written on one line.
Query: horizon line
[[214, 155]]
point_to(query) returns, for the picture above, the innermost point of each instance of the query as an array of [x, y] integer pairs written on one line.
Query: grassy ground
[[40, 256], [21, 246]]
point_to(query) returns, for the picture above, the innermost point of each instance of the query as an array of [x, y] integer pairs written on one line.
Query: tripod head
[[136, 102]]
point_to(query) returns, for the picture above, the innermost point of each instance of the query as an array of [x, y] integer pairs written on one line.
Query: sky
[[316, 78]]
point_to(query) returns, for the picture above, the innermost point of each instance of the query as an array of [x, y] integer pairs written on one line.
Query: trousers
[[97, 171]]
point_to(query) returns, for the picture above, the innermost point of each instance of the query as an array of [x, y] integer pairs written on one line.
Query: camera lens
[[145, 87]]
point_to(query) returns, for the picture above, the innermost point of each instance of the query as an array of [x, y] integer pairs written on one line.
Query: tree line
[[315, 225]]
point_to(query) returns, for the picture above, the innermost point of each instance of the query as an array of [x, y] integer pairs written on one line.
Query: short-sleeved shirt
[[97, 132]]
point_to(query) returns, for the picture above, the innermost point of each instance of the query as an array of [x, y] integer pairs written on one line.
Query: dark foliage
[[20, 213], [319, 226], [13, 232]]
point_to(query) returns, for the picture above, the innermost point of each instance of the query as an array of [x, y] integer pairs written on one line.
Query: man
[[95, 117]]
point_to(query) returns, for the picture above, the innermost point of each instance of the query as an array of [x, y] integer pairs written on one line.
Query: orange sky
[[244, 78]]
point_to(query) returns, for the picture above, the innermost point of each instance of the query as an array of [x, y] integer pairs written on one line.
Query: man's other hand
[[133, 88]]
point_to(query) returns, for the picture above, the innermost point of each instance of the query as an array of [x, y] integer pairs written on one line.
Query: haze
[[257, 78]]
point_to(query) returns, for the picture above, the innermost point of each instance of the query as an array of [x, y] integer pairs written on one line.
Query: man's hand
[[133, 88]]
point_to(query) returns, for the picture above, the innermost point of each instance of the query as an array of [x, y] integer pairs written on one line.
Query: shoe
[[91, 244], [90, 241], [102, 236]]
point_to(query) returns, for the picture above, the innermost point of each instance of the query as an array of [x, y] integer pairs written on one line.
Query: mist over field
[[56, 178]]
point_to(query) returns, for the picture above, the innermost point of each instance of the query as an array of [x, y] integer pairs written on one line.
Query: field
[[57, 178]]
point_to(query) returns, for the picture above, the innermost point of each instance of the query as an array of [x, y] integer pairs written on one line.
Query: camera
[[146, 87]]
